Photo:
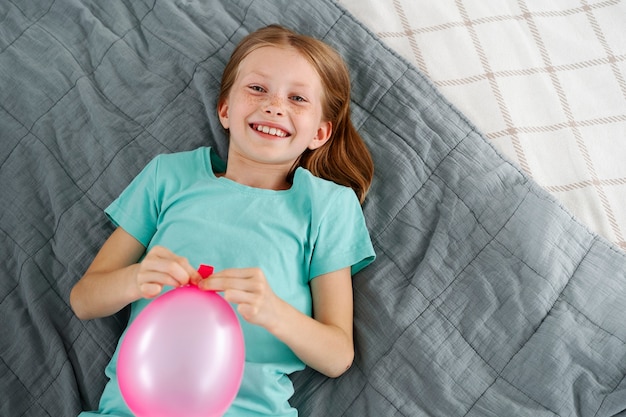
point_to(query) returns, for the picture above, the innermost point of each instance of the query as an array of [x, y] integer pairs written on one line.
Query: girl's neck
[[257, 175]]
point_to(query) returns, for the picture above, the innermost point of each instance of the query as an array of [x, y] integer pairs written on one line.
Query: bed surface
[[489, 296], [544, 81]]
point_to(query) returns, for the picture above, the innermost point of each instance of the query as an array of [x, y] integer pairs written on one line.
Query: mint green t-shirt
[[295, 235]]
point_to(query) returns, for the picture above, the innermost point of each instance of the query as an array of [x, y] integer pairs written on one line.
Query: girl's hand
[[249, 289], [162, 267], [324, 342]]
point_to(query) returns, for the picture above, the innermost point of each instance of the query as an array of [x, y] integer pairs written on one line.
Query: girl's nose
[[274, 106]]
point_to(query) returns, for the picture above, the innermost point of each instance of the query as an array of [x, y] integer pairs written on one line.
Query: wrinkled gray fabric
[[487, 297]]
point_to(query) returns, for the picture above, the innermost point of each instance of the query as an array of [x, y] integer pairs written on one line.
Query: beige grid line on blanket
[[545, 82]]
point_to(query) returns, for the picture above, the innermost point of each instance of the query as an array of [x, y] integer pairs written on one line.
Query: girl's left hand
[[249, 289]]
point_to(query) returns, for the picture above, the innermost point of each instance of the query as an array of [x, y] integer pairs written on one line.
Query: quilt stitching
[[45, 389], [18, 142], [29, 26], [378, 240], [187, 83], [372, 386], [16, 377], [31, 406], [30, 257], [470, 344], [61, 165], [515, 388], [519, 139], [588, 319], [87, 75], [19, 272], [185, 88], [383, 356], [540, 324], [426, 181], [395, 341], [381, 98], [61, 214], [53, 378], [494, 237], [35, 397], [362, 390], [84, 328], [607, 396], [408, 326]]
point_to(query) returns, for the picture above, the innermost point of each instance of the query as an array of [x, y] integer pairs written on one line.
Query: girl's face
[[274, 108]]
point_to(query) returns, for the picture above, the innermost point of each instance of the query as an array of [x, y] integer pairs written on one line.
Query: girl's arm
[[329, 349], [323, 342], [115, 279]]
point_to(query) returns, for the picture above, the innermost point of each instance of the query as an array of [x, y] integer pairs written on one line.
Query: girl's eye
[[298, 99], [257, 88]]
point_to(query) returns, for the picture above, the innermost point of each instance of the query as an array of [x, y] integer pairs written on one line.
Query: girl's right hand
[[122, 272], [161, 267]]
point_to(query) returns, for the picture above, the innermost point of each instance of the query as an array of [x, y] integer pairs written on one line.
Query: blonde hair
[[344, 159]]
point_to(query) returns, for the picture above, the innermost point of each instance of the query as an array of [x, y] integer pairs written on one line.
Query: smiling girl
[[280, 221]]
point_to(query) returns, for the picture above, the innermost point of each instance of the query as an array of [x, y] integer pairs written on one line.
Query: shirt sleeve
[[136, 210], [342, 239]]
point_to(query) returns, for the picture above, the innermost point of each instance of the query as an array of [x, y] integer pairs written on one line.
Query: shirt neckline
[[214, 161]]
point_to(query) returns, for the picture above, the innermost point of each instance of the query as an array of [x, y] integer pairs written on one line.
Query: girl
[[280, 222]]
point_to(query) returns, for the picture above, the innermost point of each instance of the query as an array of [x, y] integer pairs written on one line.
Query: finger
[[247, 311], [212, 284], [191, 274], [231, 273], [160, 257], [160, 252], [195, 279], [165, 268], [156, 278], [240, 297], [150, 290], [225, 283]]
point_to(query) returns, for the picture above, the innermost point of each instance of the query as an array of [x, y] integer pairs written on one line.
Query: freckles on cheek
[[253, 100]]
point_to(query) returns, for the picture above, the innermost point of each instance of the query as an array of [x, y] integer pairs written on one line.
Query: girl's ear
[[222, 111], [322, 135]]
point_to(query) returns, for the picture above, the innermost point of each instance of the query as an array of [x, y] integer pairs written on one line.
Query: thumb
[[150, 290]]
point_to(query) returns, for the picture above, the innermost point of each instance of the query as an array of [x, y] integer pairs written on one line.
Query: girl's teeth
[[271, 131]]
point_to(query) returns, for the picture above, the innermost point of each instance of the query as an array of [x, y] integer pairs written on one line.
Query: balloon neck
[[205, 270]]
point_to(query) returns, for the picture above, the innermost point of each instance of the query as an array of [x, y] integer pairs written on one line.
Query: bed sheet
[[486, 298], [545, 81]]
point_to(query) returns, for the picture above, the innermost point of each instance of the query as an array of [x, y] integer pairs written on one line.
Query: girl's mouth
[[270, 130]]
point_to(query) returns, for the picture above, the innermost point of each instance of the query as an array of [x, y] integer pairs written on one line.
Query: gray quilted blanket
[[487, 297]]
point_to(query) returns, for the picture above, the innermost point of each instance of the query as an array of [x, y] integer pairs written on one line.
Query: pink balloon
[[183, 355]]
